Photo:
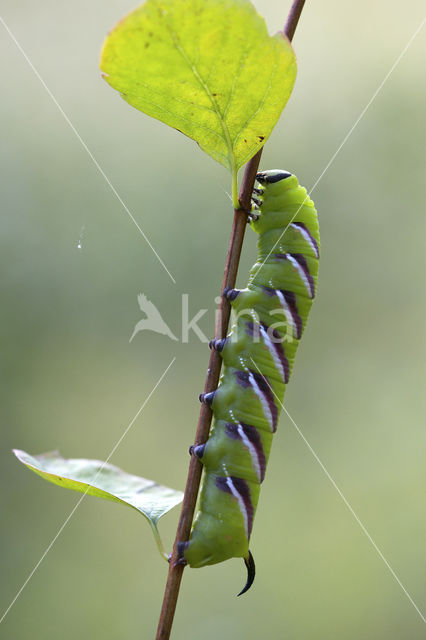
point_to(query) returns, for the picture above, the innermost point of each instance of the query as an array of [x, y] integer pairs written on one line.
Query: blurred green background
[[71, 380]]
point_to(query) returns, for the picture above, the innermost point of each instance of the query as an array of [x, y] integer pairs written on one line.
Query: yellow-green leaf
[[104, 480], [206, 67]]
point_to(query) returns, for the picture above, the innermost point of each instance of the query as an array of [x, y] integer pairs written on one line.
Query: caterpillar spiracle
[[258, 356]]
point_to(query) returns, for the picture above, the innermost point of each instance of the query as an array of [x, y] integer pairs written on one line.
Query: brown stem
[[293, 18], [203, 428]]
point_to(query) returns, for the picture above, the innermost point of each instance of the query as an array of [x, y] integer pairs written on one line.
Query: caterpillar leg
[[251, 572], [180, 551], [217, 344], [230, 294], [207, 398], [197, 450]]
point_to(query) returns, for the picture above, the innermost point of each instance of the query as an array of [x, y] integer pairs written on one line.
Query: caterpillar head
[[272, 176], [275, 186], [276, 181]]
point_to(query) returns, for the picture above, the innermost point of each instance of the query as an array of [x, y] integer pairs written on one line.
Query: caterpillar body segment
[[258, 356]]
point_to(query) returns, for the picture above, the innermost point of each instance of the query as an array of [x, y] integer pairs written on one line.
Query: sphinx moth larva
[[258, 356]]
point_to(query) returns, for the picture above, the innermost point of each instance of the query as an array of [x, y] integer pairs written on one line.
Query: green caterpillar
[[258, 356]]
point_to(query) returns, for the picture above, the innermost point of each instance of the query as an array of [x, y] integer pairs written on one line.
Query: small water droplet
[[80, 240]]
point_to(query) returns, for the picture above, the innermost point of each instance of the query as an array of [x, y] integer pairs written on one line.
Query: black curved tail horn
[[251, 572]]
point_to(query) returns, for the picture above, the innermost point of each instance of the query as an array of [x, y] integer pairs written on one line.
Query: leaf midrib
[[205, 87]]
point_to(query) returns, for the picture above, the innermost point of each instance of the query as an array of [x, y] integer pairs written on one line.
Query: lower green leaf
[[104, 480]]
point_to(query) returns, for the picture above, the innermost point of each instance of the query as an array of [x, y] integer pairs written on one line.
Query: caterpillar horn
[[251, 572]]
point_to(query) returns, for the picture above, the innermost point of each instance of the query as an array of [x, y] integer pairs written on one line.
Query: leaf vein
[[203, 84], [236, 78], [180, 117], [261, 103], [167, 96]]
